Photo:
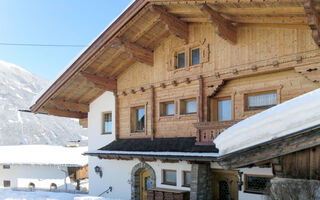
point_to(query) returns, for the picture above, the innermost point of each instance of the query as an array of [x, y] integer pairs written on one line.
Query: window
[[6, 183], [186, 178], [107, 123], [53, 186], [138, 119], [195, 56], [188, 106], [167, 108], [169, 177], [181, 60], [31, 186], [6, 166], [256, 183], [261, 100], [224, 110]]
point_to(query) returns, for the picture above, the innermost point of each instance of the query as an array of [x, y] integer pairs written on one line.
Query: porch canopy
[[288, 127], [159, 148]]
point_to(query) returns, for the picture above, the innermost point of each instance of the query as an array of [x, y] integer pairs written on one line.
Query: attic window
[[138, 119], [195, 56], [181, 60]]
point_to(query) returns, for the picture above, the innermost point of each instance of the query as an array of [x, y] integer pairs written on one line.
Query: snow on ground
[[7, 194], [289, 117], [43, 155]]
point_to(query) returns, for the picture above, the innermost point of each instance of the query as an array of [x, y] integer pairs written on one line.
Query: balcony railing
[[208, 131]]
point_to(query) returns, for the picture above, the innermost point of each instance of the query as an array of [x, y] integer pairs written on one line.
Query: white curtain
[[224, 110], [263, 100]]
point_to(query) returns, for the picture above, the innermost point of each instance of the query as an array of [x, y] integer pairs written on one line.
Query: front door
[[225, 185], [145, 184]]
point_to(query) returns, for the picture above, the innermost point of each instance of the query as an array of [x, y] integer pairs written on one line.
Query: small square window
[[256, 183], [167, 108], [6, 183], [138, 119], [186, 178], [261, 100], [6, 166], [107, 123], [188, 106], [181, 60], [169, 177], [195, 56]]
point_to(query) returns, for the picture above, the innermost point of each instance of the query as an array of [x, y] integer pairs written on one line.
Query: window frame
[[184, 184], [213, 108], [164, 177], [182, 107], [103, 123], [6, 166], [246, 190], [5, 183], [177, 60], [162, 108], [246, 99], [133, 119], [191, 55]]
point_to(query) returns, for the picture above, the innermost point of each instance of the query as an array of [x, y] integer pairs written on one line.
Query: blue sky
[[75, 22]]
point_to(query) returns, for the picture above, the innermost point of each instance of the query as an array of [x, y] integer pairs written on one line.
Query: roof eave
[[75, 67]]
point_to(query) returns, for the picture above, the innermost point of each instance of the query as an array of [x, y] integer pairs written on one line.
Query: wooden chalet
[[181, 72]]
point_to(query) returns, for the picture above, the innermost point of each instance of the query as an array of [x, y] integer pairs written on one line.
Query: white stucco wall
[[41, 175], [104, 103]]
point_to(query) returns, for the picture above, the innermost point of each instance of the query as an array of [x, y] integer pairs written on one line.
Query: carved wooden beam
[[100, 82], [137, 53], [70, 105], [65, 113], [173, 24], [224, 28], [313, 20]]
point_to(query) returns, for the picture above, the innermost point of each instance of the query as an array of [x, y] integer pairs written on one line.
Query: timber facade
[[189, 69]]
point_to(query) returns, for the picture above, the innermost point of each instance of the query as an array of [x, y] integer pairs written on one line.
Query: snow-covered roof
[[43, 155], [289, 117]]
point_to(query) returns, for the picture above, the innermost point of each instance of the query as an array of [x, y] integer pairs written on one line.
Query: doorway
[[145, 184], [225, 184]]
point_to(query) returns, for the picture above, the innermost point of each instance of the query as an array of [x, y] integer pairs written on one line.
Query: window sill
[[172, 184], [185, 186], [137, 132], [253, 192], [106, 133]]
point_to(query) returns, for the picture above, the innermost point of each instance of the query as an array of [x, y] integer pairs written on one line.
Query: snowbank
[[43, 155], [291, 116], [6, 194]]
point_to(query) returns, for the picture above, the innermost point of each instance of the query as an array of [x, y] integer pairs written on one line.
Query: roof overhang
[[96, 69], [174, 156], [284, 145]]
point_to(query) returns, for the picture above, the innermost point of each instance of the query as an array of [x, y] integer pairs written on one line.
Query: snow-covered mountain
[[18, 88]]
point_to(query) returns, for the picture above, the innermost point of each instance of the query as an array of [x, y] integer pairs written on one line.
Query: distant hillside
[[18, 88]]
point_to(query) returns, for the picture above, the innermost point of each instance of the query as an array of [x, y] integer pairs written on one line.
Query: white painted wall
[[41, 175], [104, 103]]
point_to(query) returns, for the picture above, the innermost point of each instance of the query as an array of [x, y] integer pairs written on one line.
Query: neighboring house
[[286, 137], [167, 77], [43, 167]]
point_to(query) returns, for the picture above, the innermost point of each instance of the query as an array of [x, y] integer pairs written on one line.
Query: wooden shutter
[[204, 53]]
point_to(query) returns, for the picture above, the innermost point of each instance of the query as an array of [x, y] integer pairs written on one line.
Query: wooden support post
[[313, 20], [173, 24], [224, 28], [72, 106], [65, 113], [100, 82], [117, 129], [152, 112], [137, 53], [200, 98]]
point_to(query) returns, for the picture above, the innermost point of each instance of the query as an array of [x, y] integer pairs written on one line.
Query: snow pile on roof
[[43, 155], [289, 117], [7, 194]]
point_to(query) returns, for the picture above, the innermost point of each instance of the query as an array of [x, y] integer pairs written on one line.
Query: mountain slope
[[18, 88]]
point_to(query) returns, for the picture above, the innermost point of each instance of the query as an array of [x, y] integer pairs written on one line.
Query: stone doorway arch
[[135, 179]]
